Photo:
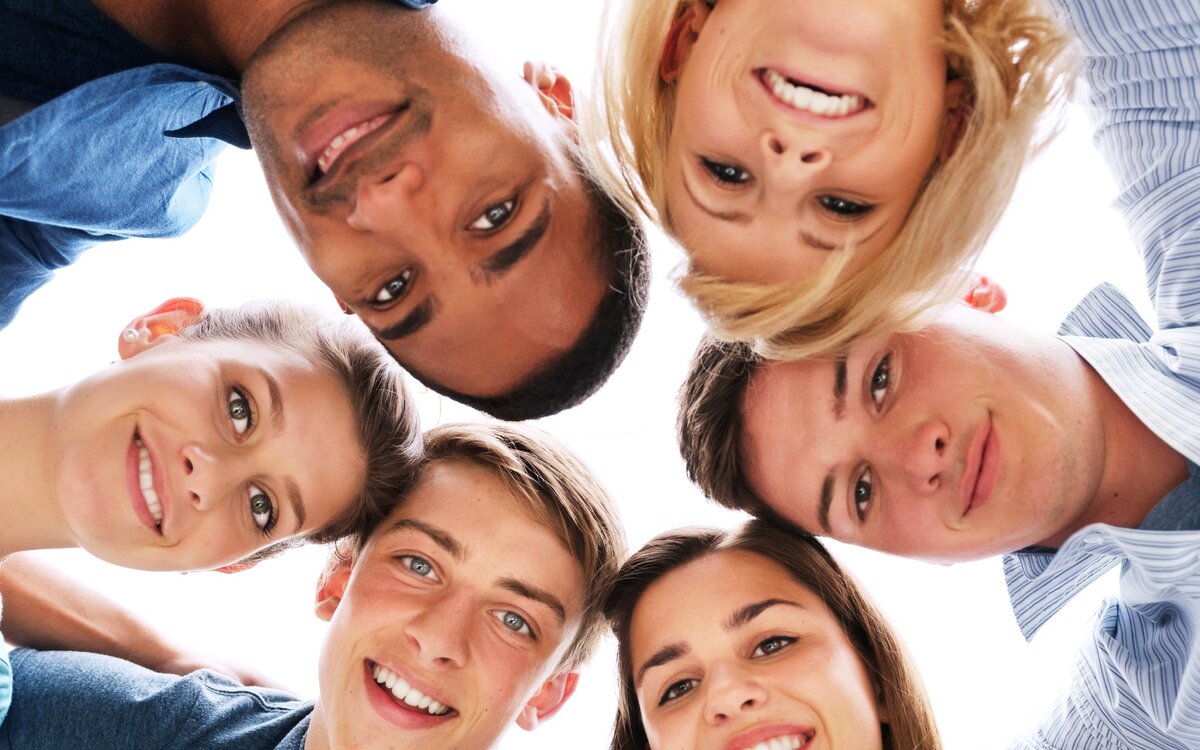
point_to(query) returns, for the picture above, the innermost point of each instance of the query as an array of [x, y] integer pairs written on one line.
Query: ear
[[236, 567], [546, 702], [332, 587], [553, 88], [677, 47], [169, 318], [958, 111], [985, 295]]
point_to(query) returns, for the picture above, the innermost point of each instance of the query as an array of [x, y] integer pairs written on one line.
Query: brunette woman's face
[[191, 455], [801, 127], [730, 652]]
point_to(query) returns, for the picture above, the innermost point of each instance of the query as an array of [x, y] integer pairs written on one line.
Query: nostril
[[776, 145], [811, 157], [187, 465], [939, 445]]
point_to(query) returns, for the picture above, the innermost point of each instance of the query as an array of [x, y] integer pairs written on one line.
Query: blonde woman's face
[[801, 126], [730, 652]]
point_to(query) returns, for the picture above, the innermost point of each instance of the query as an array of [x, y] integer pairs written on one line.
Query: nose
[[440, 633], [923, 456], [204, 479], [388, 202], [794, 157], [730, 693]]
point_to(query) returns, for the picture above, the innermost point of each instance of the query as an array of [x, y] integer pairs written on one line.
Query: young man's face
[[462, 603], [434, 196], [966, 439]]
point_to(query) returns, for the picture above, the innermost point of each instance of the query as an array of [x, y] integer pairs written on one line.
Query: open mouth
[[406, 695], [336, 142], [144, 466], [792, 740], [808, 97]]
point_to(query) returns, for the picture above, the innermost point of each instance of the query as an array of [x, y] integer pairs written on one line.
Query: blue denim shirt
[[128, 154]]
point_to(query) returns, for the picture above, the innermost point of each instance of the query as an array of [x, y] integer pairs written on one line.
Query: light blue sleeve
[[1141, 62]]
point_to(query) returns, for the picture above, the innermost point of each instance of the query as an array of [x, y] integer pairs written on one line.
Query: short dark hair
[[709, 425], [571, 377]]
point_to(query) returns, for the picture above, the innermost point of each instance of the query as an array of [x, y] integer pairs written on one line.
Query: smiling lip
[[983, 464], [316, 139], [133, 485], [397, 712], [750, 738], [766, 76]]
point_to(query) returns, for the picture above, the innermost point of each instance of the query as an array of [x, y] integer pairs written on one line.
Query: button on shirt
[[128, 154], [1137, 682]]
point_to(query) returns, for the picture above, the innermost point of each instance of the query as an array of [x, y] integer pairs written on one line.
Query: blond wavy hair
[[1010, 55]]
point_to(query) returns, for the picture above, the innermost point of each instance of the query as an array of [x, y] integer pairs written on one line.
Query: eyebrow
[[275, 393], [502, 261], [747, 613], [662, 656], [416, 319], [440, 537], [520, 588], [839, 386], [826, 500]]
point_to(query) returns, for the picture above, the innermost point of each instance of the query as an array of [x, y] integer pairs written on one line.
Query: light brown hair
[[910, 724]]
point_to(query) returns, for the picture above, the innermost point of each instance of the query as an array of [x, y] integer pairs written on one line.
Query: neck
[[1139, 467], [318, 732], [30, 517], [218, 36]]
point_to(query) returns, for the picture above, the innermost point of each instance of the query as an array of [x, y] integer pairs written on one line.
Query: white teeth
[[790, 742], [817, 102], [405, 692], [146, 482], [346, 139]]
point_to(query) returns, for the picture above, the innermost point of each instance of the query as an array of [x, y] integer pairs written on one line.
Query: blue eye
[[419, 566], [881, 380], [726, 174], [514, 622], [843, 208]]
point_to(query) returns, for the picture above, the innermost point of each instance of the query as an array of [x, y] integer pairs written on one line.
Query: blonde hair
[[1009, 55]]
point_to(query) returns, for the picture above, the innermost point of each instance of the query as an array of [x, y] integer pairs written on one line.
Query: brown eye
[[494, 217]]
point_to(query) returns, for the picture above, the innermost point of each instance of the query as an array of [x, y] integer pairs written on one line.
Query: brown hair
[[709, 426], [910, 724], [557, 488], [389, 432], [1007, 52]]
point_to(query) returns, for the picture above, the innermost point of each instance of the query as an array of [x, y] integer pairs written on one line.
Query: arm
[[48, 610], [1142, 65]]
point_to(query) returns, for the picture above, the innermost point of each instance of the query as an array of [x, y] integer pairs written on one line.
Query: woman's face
[[192, 455], [801, 126], [730, 652]]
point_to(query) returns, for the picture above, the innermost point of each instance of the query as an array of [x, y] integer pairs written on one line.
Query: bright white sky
[[1058, 240]]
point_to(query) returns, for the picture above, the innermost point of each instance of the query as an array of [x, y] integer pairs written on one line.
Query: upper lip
[[414, 682], [974, 463], [755, 735], [829, 89]]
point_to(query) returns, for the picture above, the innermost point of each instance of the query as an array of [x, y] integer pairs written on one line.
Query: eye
[[843, 208], [677, 690], [494, 217], [881, 381], [726, 174], [419, 566], [394, 289], [515, 623], [241, 414], [864, 492], [262, 510], [772, 645]]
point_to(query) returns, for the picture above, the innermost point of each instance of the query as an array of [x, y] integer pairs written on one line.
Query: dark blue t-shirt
[[66, 699]]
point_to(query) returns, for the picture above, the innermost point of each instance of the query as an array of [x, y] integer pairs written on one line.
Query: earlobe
[[332, 588], [677, 47], [546, 702], [169, 318], [985, 295]]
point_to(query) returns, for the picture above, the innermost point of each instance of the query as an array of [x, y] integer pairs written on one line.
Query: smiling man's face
[[432, 195], [461, 603], [966, 439]]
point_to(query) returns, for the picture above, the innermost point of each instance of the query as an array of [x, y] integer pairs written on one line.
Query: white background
[[1059, 239]]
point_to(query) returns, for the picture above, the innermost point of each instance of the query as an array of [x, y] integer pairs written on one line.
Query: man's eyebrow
[[839, 386], [736, 217], [499, 262], [747, 613], [416, 319], [826, 500], [439, 536], [660, 657], [520, 588], [275, 393]]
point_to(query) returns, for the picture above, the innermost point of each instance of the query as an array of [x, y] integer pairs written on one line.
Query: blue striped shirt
[[1136, 683]]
